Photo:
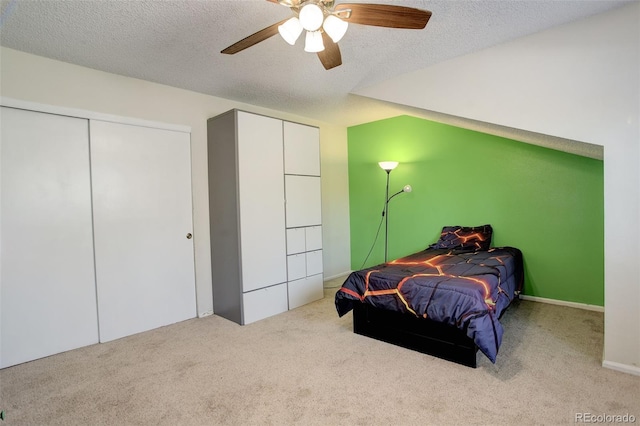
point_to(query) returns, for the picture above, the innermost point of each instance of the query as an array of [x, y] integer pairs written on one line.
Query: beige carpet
[[307, 367]]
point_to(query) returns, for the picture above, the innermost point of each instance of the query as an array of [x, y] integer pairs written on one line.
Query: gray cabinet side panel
[[223, 216]]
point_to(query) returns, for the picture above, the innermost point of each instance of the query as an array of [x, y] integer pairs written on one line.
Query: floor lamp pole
[[386, 217]]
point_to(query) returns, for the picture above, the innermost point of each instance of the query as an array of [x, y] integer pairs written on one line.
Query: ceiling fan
[[326, 22]]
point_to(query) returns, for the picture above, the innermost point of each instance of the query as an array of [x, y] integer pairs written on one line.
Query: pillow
[[464, 237]]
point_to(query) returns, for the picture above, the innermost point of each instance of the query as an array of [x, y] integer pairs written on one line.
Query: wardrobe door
[[304, 200], [301, 149], [261, 201], [141, 182], [47, 285]]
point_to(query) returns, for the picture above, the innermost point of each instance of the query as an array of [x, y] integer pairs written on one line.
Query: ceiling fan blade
[[385, 15], [330, 56], [254, 38]]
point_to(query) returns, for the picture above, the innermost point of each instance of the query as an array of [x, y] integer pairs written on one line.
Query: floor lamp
[[387, 166]]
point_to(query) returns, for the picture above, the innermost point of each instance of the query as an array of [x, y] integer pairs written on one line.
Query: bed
[[445, 300]]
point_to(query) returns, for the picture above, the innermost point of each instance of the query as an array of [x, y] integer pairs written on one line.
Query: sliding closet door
[[47, 287], [141, 180]]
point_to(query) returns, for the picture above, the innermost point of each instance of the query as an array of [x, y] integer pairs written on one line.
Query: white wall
[[335, 201], [579, 81], [36, 79]]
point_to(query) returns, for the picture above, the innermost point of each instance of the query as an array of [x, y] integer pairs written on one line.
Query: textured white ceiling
[[178, 43]]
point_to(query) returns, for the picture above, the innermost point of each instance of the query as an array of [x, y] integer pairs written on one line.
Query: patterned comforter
[[464, 288]]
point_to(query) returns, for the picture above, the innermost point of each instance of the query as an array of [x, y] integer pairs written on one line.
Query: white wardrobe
[[95, 231], [265, 215]]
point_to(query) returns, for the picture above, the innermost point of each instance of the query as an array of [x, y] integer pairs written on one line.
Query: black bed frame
[[419, 334]]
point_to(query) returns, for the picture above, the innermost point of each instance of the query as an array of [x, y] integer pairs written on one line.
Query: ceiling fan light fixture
[[313, 42], [322, 37], [311, 17], [335, 27], [291, 30]]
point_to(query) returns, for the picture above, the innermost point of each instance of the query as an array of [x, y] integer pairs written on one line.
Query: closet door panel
[[296, 266], [301, 149], [314, 262], [305, 291], [261, 201], [296, 240], [47, 285], [313, 238], [303, 201], [263, 303], [141, 182]]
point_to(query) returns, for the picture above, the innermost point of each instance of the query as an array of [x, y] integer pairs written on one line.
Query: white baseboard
[[624, 368], [563, 303], [205, 314], [342, 274]]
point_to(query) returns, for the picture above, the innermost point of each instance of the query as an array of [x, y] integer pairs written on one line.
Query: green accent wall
[[547, 203]]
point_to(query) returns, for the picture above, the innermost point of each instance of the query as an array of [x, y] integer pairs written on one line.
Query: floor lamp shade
[[388, 165]]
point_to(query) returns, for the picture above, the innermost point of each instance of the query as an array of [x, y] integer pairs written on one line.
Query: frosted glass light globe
[[311, 17], [313, 42], [290, 30], [335, 27]]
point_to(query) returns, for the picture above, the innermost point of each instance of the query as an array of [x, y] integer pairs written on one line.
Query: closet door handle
[[189, 236]]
